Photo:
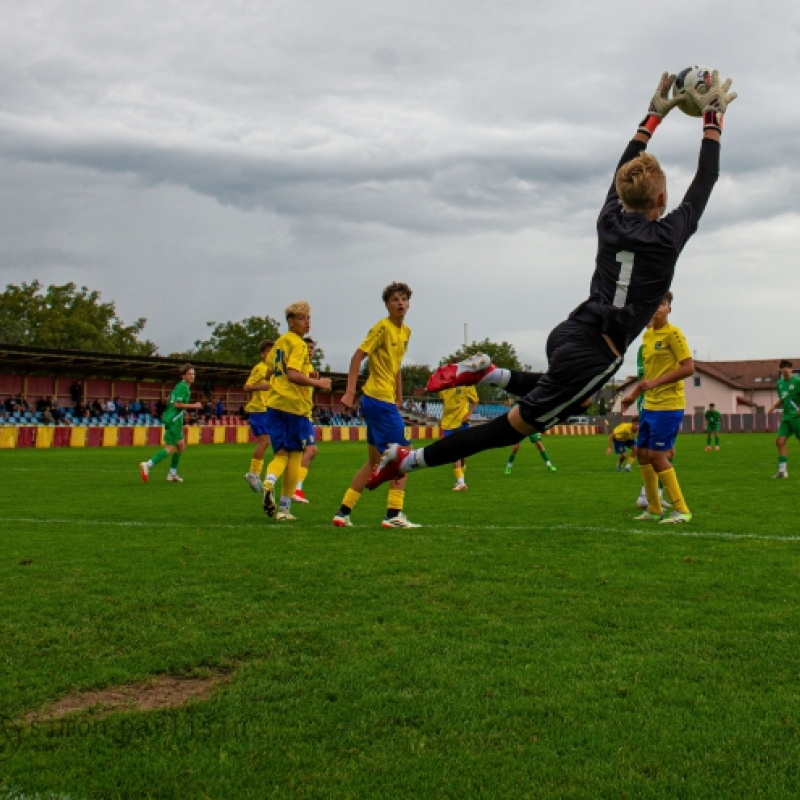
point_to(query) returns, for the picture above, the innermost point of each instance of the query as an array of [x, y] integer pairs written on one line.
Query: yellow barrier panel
[[242, 434], [8, 437], [219, 434], [362, 434], [325, 434], [110, 436], [44, 436], [193, 435], [77, 437], [139, 436]]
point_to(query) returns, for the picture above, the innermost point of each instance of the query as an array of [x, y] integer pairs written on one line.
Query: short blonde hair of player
[[295, 309], [639, 182]]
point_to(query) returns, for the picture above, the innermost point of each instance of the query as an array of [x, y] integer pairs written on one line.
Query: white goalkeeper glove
[[660, 105], [714, 102]]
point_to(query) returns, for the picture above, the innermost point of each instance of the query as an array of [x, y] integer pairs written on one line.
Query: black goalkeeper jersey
[[636, 257]]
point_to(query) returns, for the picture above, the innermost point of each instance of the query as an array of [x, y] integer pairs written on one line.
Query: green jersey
[[713, 418], [789, 393], [182, 393], [640, 375]]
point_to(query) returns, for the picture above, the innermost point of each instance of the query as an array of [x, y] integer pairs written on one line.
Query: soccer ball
[[695, 77]]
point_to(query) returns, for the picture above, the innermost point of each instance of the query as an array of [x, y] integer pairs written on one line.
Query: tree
[[236, 342], [68, 318], [503, 354], [415, 376]]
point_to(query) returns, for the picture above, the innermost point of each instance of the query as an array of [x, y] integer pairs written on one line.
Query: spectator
[[96, 408], [220, 409], [76, 393], [161, 407], [109, 406]]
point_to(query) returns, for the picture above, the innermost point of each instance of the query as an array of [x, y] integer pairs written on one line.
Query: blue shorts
[[464, 427], [258, 423], [658, 429], [287, 431], [621, 445], [385, 426], [311, 437]]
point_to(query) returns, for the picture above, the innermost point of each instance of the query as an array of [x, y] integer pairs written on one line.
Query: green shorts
[[713, 428], [173, 433], [789, 427]]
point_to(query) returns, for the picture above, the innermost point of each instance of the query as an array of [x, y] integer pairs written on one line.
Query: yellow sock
[[459, 473], [277, 466], [669, 480], [395, 500], [631, 459], [351, 497], [256, 465], [650, 480], [302, 475], [292, 471]]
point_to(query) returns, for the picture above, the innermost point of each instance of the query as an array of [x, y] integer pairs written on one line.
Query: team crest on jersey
[[657, 345]]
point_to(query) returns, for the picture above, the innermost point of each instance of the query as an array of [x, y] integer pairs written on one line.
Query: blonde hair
[[639, 182], [300, 307]]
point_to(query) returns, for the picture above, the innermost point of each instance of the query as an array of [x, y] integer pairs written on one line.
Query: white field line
[[655, 530]]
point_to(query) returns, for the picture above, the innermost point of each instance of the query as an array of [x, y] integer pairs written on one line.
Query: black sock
[[497, 433]]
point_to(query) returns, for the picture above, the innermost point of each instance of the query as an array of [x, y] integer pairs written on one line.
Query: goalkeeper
[[638, 248]]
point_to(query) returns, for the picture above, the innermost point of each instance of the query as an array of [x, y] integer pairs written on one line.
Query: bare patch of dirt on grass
[[162, 691]]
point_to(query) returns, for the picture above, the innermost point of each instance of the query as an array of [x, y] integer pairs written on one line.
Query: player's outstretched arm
[[660, 105]]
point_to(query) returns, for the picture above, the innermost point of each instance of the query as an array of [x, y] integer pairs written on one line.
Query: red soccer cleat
[[144, 471], [299, 496], [465, 373], [388, 468]]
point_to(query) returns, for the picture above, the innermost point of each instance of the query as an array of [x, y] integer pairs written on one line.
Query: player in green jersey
[[713, 425], [174, 443], [534, 439], [788, 388]]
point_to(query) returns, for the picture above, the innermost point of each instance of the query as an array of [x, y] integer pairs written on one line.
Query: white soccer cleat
[[648, 516], [285, 516], [460, 487], [173, 477], [400, 521], [254, 482], [780, 475], [144, 471], [342, 521]]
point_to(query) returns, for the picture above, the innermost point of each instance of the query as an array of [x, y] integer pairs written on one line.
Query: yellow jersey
[[260, 373], [455, 405], [662, 352], [624, 432], [290, 352], [385, 345], [309, 390]]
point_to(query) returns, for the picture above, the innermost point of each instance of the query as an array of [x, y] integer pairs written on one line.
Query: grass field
[[530, 641]]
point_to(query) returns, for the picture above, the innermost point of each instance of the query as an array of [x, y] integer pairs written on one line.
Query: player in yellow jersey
[[458, 405], [384, 347], [622, 441], [257, 387], [310, 453], [288, 407], [667, 361]]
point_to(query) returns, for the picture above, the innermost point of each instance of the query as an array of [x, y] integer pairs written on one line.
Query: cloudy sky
[[199, 161]]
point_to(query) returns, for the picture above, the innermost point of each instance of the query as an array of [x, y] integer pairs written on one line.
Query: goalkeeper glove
[[660, 106], [714, 102]]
